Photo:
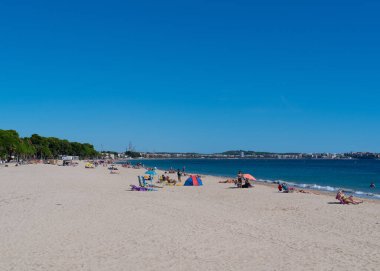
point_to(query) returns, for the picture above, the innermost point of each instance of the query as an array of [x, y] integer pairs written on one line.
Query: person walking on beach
[[179, 175]]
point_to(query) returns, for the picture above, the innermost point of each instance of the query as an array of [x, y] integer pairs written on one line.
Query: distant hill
[[238, 152]]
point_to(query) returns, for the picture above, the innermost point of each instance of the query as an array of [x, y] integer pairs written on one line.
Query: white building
[[69, 158]]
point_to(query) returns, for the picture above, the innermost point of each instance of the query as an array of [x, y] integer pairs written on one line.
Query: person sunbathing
[[228, 181], [152, 186], [306, 192], [351, 200], [169, 181], [347, 200], [162, 178]]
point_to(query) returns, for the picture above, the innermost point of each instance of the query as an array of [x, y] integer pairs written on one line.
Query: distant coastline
[[155, 157], [242, 154]]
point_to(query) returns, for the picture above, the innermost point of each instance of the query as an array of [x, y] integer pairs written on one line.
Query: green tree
[[9, 143], [41, 147]]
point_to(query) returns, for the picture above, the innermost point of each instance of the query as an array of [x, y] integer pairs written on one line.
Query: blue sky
[[202, 76]]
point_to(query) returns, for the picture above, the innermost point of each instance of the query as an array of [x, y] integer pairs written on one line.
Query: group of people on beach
[[240, 182], [284, 188], [167, 179], [178, 172]]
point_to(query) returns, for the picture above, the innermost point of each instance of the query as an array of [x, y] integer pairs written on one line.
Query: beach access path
[[72, 218]]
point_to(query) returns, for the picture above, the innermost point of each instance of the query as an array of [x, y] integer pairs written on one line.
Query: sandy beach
[[72, 218]]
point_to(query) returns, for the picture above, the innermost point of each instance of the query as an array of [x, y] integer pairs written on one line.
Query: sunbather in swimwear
[[351, 200], [169, 181], [347, 200], [306, 192], [228, 181]]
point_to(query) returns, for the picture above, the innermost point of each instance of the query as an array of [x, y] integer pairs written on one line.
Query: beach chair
[[287, 189], [143, 183]]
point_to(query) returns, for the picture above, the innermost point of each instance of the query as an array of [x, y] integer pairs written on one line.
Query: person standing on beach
[[179, 174], [239, 179]]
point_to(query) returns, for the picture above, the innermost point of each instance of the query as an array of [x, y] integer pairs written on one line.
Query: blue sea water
[[352, 176]]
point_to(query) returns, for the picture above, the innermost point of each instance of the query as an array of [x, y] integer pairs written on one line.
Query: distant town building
[[69, 158]]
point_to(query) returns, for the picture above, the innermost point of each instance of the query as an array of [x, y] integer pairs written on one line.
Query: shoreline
[[273, 186], [249, 158], [298, 185]]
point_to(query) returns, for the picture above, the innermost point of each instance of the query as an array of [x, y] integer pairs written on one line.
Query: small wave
[[326, 188], [322, 188], [369, 195], [362, 193]]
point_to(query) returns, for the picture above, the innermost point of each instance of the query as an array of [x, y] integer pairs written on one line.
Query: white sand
[[64, 218]]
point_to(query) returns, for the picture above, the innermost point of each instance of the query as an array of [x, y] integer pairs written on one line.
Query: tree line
[[12, 146]]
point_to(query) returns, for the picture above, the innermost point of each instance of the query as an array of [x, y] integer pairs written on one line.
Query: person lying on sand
[[170, 181], [287, 189], [347, 200], [306, 192], [153, 186], [229, 181], [162, 178]]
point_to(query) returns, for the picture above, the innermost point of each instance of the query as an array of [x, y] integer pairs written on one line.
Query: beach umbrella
[[193, 181], [151, 173], [249, 177]]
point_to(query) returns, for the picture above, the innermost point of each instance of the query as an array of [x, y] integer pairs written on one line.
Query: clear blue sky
[[202, 76]]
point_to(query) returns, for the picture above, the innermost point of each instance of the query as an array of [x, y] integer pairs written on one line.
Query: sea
[[353, 176]]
